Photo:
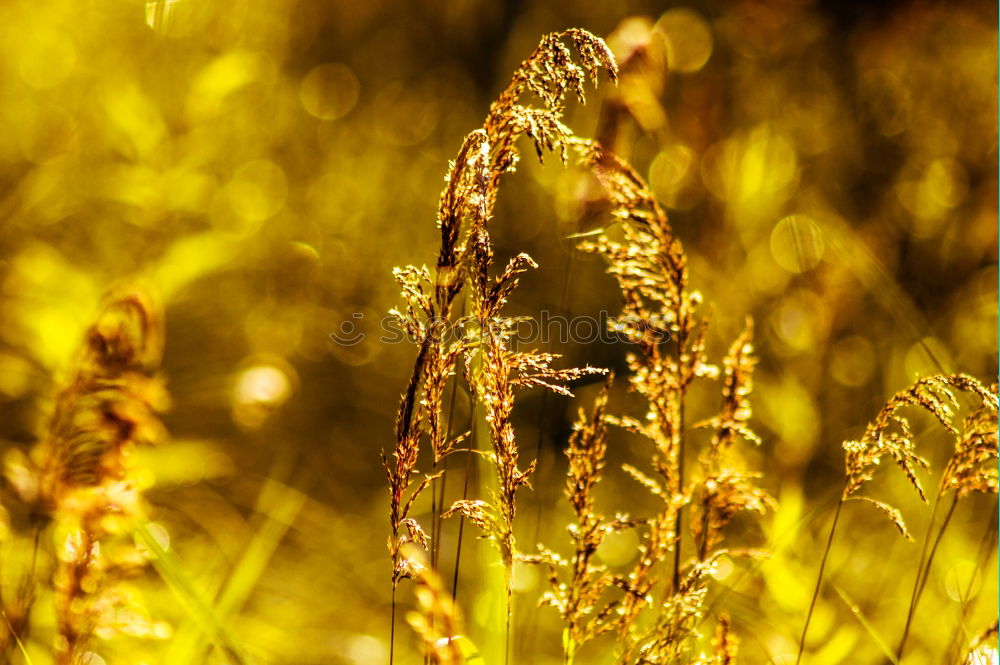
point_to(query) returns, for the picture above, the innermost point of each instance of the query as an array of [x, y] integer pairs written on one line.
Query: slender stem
[[435, 510], [392, 627], [436, 544], [679, 434], [506, 642], [542, 489], [449, 423], [34, 550], [678, 524], [17, 638], [569, 650], [461, 517], [921, 581], [473, 441], [703, 547], [440, 495], [986, 548], [819, 579], [920, 572], [937, 541]]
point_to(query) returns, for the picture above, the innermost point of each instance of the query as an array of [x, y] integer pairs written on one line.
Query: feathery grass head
[[579, 599], [651, 270], [549, 72], [725, 488], [661, 317], [669, 639], [973, 466], [108, 407], [465, 258], [890, 434]]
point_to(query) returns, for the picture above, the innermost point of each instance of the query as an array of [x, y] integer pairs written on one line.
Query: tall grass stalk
[[465, 262]]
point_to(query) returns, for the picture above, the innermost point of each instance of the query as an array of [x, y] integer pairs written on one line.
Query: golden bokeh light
[[852, 361], [257, 190], [329, 91], [797, 243], [259, 390], [688, 38], [49, 58], [673, 174]]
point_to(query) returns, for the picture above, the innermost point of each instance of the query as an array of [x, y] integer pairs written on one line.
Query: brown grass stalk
[[661, 311], [465, 258], [579, 599]]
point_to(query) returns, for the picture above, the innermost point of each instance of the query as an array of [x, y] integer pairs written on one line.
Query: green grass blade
[[856, 611], [281, 505], [17, 639], [201, 611]]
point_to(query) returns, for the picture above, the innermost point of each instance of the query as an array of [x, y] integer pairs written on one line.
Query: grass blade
[[172, 571], [856, 611]]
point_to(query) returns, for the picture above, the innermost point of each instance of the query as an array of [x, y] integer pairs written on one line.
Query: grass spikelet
[[726, 490], [894, 514], [890, 433], [579, 599], [549, 72], [669, 639], [651, 271], [973, 466]]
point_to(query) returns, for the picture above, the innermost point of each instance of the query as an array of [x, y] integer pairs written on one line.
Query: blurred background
[[830, 166]]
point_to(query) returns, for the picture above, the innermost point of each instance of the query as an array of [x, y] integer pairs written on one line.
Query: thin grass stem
[[461, 517], [859, 615], [678, 518], [436, 544], [924, 573], [17, 639], [507, 634], [392, 628], [435, 511], [541, 493], [920, 572], [987, 545], [819, 579]]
